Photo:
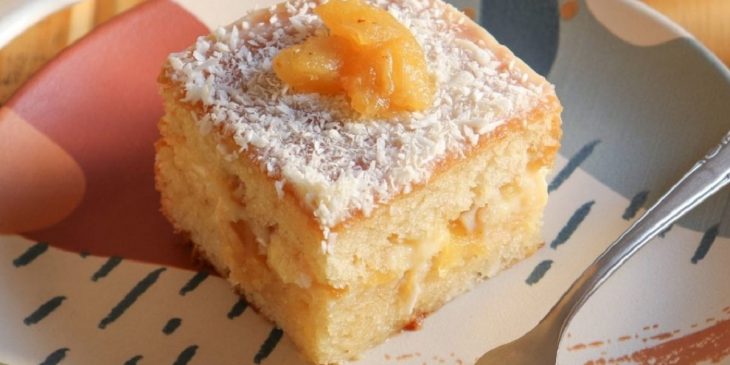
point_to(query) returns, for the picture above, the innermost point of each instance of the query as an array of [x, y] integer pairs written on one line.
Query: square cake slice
[[341, 229]]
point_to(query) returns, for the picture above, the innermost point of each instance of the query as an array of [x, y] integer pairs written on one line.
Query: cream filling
[[531, 192], [422, 254]]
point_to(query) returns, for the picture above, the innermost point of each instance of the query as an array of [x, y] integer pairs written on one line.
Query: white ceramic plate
[[642, 101]]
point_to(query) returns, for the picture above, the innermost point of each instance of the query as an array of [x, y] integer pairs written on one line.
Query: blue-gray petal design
[[656, 109], [529, 28]]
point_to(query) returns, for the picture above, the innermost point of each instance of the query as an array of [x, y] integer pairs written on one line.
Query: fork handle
[[704, 179]]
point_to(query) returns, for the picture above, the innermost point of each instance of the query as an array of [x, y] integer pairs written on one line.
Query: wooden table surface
[[708, 20]]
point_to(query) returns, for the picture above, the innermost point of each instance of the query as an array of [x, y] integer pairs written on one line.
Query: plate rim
[[639, 7], [19, 15], [665, 21]]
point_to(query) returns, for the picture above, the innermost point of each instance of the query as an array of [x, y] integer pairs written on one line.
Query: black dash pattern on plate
[[44, 310], [131, 297], [133, 360], [106, 268], [573, 164], [186, 355], [705, 243], [637, 202], [575, 220], [193, 283], [171, 325], [55, 357], [269, 345], [30, 254], [238, 308], [539, 271]]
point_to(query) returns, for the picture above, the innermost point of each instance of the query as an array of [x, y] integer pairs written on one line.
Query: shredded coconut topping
[[335, 162]]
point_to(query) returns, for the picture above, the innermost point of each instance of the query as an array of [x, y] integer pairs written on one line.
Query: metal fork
[[540, 345]]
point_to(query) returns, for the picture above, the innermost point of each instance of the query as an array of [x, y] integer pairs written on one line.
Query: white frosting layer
[[308, 142]]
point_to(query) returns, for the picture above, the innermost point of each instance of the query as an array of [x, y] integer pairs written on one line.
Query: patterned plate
[[90, 273]]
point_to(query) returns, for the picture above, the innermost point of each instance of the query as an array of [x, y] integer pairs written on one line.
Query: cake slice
[[344, 229]]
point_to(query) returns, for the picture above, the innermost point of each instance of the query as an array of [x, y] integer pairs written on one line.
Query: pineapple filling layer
[[367, 55], [482, 231], [473, 235]]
